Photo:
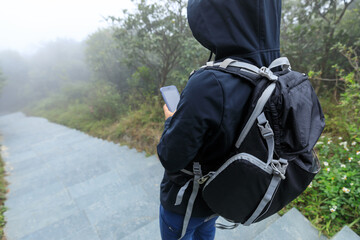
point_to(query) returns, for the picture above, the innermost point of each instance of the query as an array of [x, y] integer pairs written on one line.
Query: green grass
[[3, 189], [139, 128]]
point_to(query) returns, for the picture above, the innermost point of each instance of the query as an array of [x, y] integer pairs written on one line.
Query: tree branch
[[346, 5]]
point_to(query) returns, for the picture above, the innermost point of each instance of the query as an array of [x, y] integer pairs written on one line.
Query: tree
[[106, 59], [52, 67], [310, 28], [156, 40], [15, 68], [55, 65]]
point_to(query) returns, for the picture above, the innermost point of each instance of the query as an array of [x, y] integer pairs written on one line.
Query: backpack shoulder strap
[[256, 112], [282, 62]]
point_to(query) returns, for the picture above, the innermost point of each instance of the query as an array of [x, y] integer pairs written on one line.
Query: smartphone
[[171, 97]]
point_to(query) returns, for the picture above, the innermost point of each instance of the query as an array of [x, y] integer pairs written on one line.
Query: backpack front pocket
[[235, 190]]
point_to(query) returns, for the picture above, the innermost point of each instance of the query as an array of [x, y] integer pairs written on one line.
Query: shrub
[[104, 101], [3, 189], [332, 199], [141, 128]]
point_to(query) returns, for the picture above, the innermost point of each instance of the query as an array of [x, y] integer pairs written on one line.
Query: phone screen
[[171, 97]]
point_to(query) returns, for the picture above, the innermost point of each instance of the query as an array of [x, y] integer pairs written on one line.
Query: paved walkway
[[66, 185]]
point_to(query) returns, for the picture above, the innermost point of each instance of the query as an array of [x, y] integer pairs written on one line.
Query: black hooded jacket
[[213, 104]]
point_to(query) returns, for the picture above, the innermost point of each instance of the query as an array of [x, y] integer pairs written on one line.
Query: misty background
[[43, 43], [98, 66]]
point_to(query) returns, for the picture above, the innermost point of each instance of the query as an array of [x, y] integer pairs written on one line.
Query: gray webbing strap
[[263, 71], [257, 111], [210, 64], [233, 63], [226, 63], [187, 172], [226, 227], [279, 170], [246, 66], [189, 208], [282, 62], [268, 135], [275, 181], [211, 217], [181, 192]]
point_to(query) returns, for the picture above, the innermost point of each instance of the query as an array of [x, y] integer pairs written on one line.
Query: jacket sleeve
[[198, 116]]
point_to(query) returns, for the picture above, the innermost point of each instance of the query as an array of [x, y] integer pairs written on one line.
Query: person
[[208, 118]]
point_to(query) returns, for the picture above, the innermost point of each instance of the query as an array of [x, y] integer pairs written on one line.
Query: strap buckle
[[203, 179], [266, 72], [197, 169], [279, 167], [266, 130]]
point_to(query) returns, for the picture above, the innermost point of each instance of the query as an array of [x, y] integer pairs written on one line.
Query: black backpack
[[273, 160]]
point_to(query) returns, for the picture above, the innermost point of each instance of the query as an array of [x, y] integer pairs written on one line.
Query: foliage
[[310, 28], [106, 60], [141, 128], [343, 117], [157, 37], [81, 106], [3, 189], [56, 64], [104, 102], [332, 199], [38, 76], [352, 55]]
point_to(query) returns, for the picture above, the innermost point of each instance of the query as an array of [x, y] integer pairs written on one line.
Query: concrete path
[[66, 185]]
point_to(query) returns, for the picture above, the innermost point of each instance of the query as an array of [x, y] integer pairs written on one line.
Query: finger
[[165, 108]]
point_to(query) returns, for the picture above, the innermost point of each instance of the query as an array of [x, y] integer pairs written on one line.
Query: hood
[[247, 30]]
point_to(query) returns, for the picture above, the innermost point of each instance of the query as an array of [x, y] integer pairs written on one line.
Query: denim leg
[[206, 231], [171, 226]]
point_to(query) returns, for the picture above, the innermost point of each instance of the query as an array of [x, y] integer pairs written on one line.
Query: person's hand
[[167, 112]]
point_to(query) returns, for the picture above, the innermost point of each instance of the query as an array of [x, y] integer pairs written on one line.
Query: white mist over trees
[[123, 66], [35, 77]]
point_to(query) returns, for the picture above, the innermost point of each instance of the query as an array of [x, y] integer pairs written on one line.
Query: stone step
[[147, 232], [292, 226], [152, 231], [346, 234], [243, 232]]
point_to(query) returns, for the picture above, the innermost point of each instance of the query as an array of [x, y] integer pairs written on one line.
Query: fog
[[27, 25], [42, 47], [45, 72]]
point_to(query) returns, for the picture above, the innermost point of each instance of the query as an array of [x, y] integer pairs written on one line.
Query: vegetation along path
[[64, 184]]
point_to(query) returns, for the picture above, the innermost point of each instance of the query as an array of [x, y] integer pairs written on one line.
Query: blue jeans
[[198, 228]]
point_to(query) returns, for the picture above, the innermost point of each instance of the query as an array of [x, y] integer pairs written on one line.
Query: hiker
[[213, 104]]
